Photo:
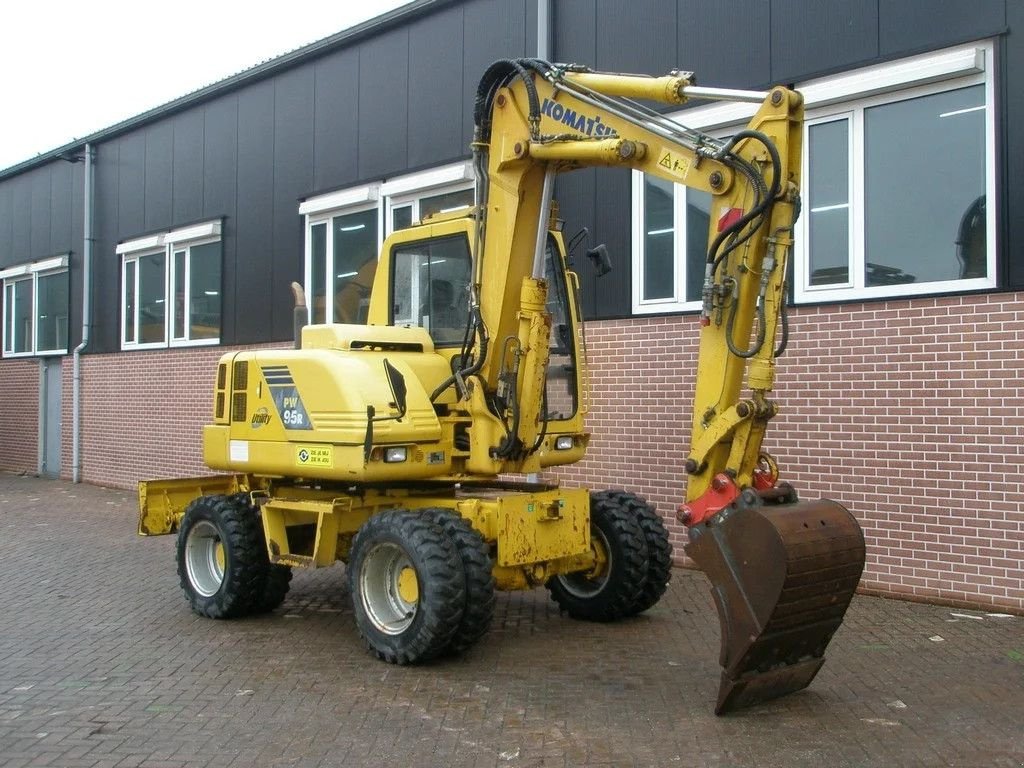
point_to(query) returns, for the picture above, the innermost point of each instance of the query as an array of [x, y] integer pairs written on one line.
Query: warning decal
[[675, 163]]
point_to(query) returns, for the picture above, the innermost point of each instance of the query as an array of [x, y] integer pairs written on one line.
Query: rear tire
[[221, 557], [659, 549], [615, 587], [407, 585], [478, 569]]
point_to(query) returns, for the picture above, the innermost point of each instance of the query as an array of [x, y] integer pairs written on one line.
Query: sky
[[69, 69]]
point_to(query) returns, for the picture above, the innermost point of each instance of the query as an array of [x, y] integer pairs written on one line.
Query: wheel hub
[[205, 558], [389, 588]]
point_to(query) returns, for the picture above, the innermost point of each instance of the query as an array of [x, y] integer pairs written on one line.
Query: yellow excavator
[[409, 447]]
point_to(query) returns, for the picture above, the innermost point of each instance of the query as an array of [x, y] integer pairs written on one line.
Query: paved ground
[[102, 664]]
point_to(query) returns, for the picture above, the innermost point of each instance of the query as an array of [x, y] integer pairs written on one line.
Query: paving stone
[[102, 665]]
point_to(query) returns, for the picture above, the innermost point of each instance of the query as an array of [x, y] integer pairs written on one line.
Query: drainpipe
[[76, 376], [544, 29]]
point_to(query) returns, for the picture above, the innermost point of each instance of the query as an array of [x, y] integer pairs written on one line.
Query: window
[[431, 287], [899, 166], [344, 233], [414, 197], [35, 300], [171, 288], [342, 242]]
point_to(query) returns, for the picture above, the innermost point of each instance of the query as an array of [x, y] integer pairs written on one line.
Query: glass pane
[[355, 263], [450, 201], [560, 385], [152, 295], [22, 316], [431, 287], [828, 201], [129, 302], [659, 280], [178, 291], [401, 217], [8, 317], [204, 291], [698, 220], [318, 254], [924, 188], [52, 312]]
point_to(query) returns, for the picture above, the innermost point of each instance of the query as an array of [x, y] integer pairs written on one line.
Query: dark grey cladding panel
[[62, 176], [41, 204], [106, 267], [810, 38], [1012, 108], [336, 120], [7, 192], [575, 195], [131, 192], [727, 43], [436, 107], [575, 38], [383, 104], [293, 178], [493, 29], [220, 157], [159, 176], [911, 25], [254, 228], [187, 189], [639, 36], [21, 226]]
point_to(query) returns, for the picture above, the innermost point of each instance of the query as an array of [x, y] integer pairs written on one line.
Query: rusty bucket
[[782, 573]]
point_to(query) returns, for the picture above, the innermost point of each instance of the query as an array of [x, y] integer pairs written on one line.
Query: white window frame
[[830, 98], [31, 271], [167, 243], [408, 190], [321, 210]]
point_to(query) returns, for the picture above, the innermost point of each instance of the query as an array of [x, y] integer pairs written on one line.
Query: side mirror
[[600, 258], [398, 387]]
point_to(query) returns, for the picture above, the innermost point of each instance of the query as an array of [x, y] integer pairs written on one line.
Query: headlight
[[395, 455], [564, 443]]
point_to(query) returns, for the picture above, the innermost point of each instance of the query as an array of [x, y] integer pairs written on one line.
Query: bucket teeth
[[782, 576]]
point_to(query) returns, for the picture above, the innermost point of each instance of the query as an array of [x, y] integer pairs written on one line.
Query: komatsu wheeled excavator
[[409, 447]]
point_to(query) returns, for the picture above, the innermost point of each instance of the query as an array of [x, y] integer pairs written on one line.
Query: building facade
[[131, 260]]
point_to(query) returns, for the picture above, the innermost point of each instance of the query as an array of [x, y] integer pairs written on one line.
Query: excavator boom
[[782, 571]]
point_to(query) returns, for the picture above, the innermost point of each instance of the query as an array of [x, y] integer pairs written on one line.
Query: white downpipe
[[76, 376]]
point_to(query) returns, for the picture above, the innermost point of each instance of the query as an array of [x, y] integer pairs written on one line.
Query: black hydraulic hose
[[730, 324], [499, 74]]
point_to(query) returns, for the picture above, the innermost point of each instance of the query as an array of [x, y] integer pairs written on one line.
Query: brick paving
[[102, 664]]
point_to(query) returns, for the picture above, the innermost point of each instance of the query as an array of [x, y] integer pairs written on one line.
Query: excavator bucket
[[782, 574]]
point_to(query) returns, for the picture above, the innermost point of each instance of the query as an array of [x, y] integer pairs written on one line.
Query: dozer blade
[[782, 575]]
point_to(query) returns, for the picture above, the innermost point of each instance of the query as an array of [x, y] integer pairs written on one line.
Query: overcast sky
[[69, 69]]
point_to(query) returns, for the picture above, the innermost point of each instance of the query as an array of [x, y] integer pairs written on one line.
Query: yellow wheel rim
[[220, 556]]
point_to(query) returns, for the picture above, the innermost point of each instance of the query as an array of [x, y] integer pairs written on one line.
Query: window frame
[[31, 272], [829, 98], [167, 244], [411, 189], [322, 210]]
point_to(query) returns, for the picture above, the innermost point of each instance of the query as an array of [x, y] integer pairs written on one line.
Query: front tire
[[478, 570], [616, 585], [221, 557], [407, 585]]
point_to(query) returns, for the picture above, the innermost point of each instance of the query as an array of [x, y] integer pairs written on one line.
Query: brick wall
[[908, 412], [19, 415]]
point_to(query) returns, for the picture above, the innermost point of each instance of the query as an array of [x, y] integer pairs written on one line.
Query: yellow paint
[[408, 585]]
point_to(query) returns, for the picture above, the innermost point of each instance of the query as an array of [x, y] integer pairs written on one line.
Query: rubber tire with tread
[[441, 586], [241, 535], [277, 579], [618, 591], [478, 568], [659, 548]]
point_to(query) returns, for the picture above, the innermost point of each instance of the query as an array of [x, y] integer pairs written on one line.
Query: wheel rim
[[586, 584], [389, 588], [205, 559]]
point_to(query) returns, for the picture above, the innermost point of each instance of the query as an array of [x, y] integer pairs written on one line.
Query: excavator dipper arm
[[782, 571]]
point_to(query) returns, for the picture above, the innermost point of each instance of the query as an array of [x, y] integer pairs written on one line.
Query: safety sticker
[[314, 456], [674, 163]]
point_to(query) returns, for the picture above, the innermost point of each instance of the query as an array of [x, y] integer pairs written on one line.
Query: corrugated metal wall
[[402, 100]]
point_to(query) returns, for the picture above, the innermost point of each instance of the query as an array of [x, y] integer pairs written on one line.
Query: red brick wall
[[909, 412], [19, 415]]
